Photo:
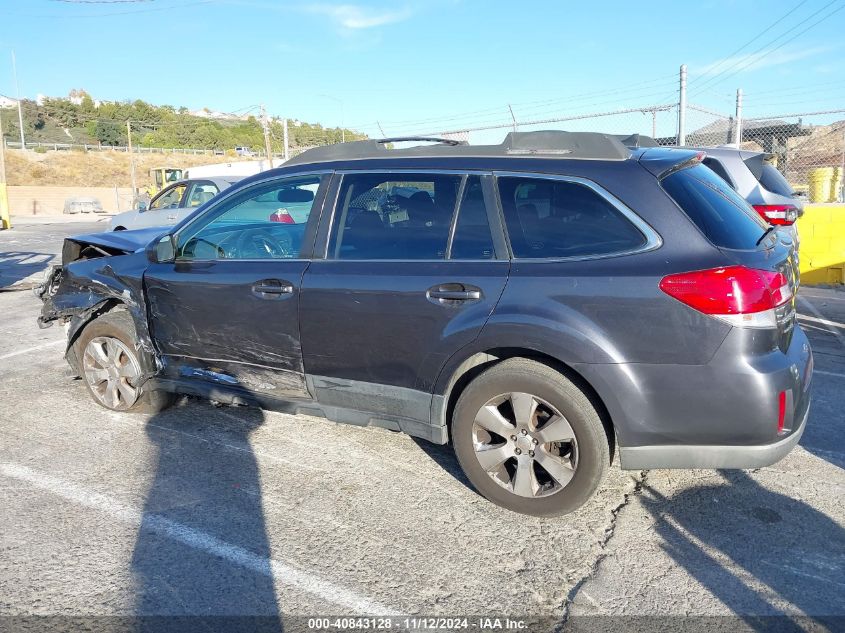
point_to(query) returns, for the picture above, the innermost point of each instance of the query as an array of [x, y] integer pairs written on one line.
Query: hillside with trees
[[80, 120]]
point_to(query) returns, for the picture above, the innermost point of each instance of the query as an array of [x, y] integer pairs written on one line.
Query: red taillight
[[282, 216], [777, 214], [729, 290], [781, 410]]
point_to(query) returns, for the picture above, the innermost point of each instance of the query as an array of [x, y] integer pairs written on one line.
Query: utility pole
[[682, 107], [18, 97], [266, 127], [5, 221], [512, 117], [383, 135], [131, 158], [285, 137], [738, 136]]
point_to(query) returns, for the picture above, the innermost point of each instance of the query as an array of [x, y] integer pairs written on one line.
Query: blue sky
[[430, 66]]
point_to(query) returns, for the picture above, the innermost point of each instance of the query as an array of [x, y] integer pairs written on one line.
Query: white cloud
[[740, 63], [355, 17]]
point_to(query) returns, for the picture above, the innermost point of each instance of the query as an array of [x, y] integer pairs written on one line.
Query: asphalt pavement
[[208, 511]]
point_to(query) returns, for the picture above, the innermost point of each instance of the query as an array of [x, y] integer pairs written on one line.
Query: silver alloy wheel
[[111, 369], [525, 445]]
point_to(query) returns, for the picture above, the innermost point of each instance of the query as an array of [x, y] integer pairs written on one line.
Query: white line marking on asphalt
[[282, 573], [821, 321], [822, 298], [828, 373], [818, 314], [21, 352]]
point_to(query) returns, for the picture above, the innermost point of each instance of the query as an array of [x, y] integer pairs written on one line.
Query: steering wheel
[[261, 244]]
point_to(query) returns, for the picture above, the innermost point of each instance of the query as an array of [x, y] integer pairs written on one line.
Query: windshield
[[774, 181], [720, 212]]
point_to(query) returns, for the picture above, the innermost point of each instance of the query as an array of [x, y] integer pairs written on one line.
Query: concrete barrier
[[40, 201], [822, 231]]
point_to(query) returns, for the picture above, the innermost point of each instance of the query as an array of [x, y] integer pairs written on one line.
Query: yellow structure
[[5, 220], [825, 183], [822, 231]]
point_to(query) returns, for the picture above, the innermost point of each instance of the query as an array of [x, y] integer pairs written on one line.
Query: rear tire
[[110, 360], [529, 439]]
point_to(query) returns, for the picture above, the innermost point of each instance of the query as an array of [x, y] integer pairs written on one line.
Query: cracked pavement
[[205, 510]]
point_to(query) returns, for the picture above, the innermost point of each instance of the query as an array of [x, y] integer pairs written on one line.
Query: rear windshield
[[774, 181], [768, 175], [722, 214]]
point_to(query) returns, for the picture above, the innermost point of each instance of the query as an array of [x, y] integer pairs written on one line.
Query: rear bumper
[[643, 457], [723, 414]]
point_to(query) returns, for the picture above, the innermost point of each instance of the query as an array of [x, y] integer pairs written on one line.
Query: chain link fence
[[808, 148]]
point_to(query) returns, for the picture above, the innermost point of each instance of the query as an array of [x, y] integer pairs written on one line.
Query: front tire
[[110, 363], [529, 439]]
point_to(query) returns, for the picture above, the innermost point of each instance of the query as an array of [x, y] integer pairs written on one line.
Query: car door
[[225, 311], [409, 272], [163, 208]]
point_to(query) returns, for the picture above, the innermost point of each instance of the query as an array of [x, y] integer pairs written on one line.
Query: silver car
[[172, 204], [758, 181], [751, 174]]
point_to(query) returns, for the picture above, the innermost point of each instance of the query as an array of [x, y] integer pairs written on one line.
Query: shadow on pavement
[[779, 549], [15, 266], [444, 456], [204, 516]]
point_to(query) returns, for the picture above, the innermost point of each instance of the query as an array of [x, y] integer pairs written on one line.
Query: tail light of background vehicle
[[740, 296], [777, 214], [282, 216]]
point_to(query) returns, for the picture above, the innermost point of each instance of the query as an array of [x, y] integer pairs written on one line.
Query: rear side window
[[718, 211], [557, 218]]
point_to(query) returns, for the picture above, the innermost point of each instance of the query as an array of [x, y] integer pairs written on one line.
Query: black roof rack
[[430, 139], [546, 144]]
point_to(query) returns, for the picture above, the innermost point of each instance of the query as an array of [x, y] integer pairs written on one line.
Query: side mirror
[[162, 249], [141, 206]]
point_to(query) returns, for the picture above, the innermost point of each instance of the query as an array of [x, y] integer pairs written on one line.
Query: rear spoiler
[[663, 161]]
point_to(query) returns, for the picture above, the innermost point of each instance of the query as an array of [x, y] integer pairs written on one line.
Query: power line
[[516, 104], [117, 13], [102, 1], [758, 54], [760, 34]]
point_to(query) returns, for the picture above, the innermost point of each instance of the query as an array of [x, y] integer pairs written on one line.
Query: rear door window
[[724, 216], [557, 218], [394, 216]]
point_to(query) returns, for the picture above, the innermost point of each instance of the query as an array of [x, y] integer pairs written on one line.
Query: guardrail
[[113, 148]]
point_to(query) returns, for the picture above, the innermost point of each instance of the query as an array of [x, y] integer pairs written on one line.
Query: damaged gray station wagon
[[543, 305]]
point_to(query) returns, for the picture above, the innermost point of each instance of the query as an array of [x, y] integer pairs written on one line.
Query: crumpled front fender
[[77, 293]]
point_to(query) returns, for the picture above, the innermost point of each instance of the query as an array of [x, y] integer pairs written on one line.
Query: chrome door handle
[[271, 289], [453, 294]]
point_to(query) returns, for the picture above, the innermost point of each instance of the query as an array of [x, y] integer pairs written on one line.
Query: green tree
[[109, 133]]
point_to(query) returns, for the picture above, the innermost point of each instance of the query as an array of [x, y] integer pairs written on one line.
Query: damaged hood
[[123, 241]]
